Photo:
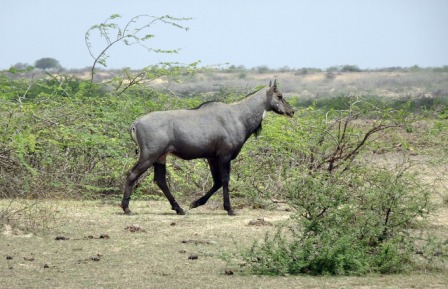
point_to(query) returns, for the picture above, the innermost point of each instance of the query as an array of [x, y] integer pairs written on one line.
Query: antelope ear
[[275, 84], [270, 83]]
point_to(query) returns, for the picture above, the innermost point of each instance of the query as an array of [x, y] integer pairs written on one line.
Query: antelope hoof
[[194, 204], [180, 211], [127, 211], [231, 212]]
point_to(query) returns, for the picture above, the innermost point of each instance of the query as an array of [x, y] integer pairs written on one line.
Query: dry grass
[[317, 85], [95, 245]]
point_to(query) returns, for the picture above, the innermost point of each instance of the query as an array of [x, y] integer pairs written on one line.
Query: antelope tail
[[133, 132]]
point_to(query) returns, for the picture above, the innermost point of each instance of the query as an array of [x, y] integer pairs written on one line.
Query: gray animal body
[[215, 131]]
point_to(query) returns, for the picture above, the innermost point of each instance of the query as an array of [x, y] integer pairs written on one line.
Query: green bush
[[350, 217], [354, 223], [68, 136]]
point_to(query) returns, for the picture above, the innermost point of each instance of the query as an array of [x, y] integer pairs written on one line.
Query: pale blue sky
[[294, 33]]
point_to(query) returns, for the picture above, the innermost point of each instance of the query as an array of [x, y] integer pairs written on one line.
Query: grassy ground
[[93, 244]]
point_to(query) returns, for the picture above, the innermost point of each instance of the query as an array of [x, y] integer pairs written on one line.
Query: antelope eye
[[280, 96]]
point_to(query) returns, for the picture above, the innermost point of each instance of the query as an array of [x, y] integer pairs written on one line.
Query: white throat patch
[[264, 114]]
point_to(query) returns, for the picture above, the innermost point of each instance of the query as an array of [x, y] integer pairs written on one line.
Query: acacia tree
[[113, 33], [47, 63]]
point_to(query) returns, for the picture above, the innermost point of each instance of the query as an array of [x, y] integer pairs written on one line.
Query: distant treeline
[[338, 68], [262, 69]]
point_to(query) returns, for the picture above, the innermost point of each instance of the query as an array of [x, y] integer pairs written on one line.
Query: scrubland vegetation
[[360, 169]]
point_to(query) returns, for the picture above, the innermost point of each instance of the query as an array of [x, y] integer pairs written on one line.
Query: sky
[[294, 33]]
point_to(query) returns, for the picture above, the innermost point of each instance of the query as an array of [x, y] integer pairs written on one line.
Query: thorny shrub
[[350, 217]]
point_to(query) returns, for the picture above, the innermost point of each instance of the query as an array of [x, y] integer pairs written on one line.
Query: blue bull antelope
[[215, 131]]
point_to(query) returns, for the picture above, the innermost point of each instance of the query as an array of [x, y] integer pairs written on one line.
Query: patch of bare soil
[[134, 229], [260, 222], [97, 246]]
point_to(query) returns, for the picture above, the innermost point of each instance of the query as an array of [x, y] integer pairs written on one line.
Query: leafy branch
[[128, 34], [149, 73]]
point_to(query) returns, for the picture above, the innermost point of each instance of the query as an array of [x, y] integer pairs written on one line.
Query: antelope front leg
[[214, 169]]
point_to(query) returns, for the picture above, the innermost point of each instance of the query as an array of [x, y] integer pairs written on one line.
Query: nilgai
[[215, 131]]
